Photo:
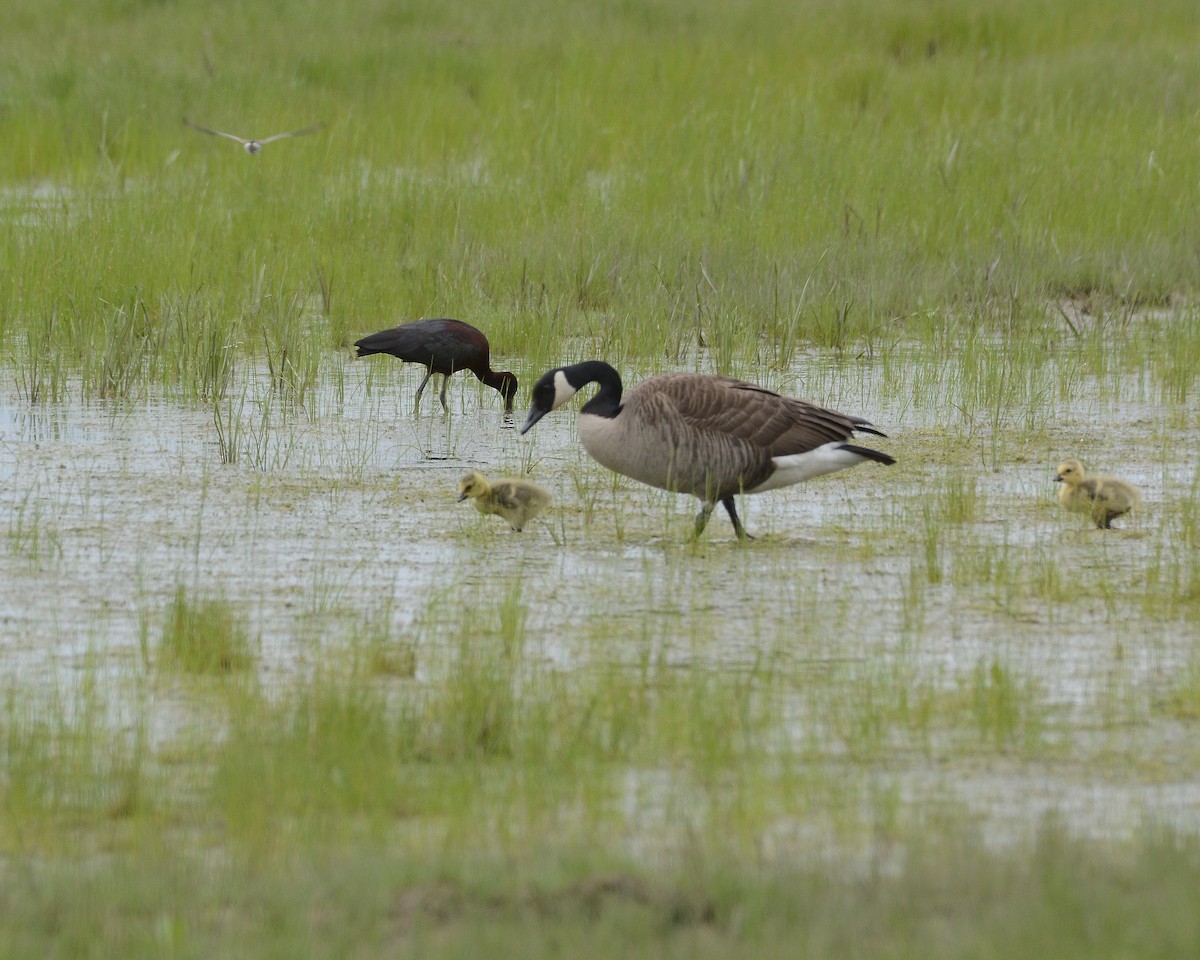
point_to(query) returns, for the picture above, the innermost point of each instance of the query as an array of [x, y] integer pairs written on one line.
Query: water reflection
[[36, 423]]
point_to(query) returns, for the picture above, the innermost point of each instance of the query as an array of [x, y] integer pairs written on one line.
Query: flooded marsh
[[939, 631], [268, 689]]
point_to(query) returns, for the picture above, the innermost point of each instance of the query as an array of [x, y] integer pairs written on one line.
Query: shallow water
[[351, 512]]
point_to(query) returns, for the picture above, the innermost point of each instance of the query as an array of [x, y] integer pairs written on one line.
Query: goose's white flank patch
[[798, 467]]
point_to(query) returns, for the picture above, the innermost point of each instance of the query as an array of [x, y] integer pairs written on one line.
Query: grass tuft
[[204, 635]]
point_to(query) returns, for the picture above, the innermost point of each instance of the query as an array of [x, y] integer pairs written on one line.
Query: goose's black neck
[[607, 401]]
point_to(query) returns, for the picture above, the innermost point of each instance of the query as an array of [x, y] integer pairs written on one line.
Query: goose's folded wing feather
[[749, 414]]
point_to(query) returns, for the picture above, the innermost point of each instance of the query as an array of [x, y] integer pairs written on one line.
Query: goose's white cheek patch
[[563, 391]]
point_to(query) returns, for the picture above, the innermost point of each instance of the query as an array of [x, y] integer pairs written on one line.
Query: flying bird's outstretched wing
[[215, 133], [294, 133]]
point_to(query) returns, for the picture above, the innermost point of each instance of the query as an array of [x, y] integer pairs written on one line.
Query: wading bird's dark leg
[[445, 383], [421, 388], [702, 517], [731, 509]]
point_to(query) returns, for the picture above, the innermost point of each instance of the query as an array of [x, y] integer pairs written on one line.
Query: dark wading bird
[[712, 437], [445, 347], [253, 146]]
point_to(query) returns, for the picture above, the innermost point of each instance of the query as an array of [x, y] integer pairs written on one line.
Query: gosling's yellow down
[[517, 501], [1100, 497]]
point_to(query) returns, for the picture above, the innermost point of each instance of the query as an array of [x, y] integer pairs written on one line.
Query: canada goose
[[253, 146], [1102, 498], [712, 437], [517, 501], [445, 347]]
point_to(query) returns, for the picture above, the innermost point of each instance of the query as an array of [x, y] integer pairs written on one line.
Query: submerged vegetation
[[266, 691]]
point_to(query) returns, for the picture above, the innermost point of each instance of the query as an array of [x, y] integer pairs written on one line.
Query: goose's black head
[[558, 386], [551, 391]]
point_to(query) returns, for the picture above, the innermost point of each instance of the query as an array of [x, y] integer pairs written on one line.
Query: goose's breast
[[637, 449], [664, 454]]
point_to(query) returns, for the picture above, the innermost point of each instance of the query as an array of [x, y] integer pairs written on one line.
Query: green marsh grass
[[831, 192], [228, 423], [614, 740], [1005, 707], [32, 532], [499, 749], [1182, 702], [378, 650], [63, 765], [204, 635], [256, 428]]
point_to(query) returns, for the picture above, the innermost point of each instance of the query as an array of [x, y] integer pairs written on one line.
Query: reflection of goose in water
[[253, 146], [1102, 498], [712, 437], [517, 501]]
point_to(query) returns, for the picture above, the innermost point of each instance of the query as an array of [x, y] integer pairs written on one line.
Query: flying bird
[[253, 146]]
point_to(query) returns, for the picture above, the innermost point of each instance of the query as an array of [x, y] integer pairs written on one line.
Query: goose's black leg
[[731, 509], [702, 517]]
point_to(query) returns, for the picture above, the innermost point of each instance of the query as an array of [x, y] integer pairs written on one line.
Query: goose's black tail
[[869, 454]]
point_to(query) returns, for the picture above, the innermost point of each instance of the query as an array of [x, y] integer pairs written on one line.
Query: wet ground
[[345, 509]]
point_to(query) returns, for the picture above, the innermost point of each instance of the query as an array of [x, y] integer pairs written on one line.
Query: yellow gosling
[[1100, 497], [517, 501]]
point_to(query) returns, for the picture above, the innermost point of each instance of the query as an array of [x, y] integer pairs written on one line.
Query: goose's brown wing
[[722, 434], [773, 424]]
